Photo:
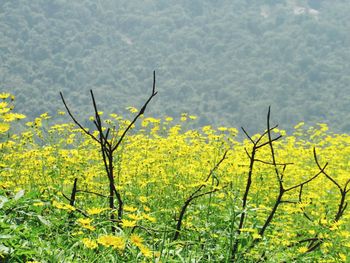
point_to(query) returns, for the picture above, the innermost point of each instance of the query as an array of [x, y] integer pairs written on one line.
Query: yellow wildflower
[[129, 208], [342, 257], [145, 251], [86, 223], [95, 210], [116, 242], [128, 223], [63, 206], [132, 109], [149, 218], [136, 240], [89, 243], [4, 95], [143, 199], [302, 250]]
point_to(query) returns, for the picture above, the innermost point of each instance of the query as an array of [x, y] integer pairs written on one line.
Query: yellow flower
[[4, 127], [135, 217], [222, 129], [63, 206], [13, 116], [342, 257], [89, 243], [95, 210], [247, 230], [45, 116], [299, 125], [4, 95], [143, 199], [149, 218], [302, 250], [77, 233], [136, 240], [86, 223], [3, 104], [145, 251], [132, 109], [146, 208], [256, 236], [116, 242], [129, 208], [128, 223], [38, 204]]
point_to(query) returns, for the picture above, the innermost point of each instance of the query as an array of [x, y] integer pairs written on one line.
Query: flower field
[[178, 194]]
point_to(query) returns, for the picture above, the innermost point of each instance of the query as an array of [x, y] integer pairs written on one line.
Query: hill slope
[[224, 61]]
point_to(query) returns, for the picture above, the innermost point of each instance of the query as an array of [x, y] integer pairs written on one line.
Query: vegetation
[[224, 60], [187, 195]]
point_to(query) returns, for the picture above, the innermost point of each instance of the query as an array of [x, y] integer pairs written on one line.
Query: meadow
[[142, 189]]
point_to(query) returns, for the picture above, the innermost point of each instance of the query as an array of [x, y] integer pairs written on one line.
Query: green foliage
[[223, 60]]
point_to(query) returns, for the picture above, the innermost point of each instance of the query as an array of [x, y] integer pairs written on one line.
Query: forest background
[[223, 60]]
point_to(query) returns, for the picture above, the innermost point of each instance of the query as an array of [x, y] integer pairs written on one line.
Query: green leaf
[[6, 236], [5, 250], [3, 200], [19, 194], [44, 221]]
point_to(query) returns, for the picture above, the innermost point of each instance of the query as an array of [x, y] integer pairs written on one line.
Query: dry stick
[[282, 189], [107, 156], [142, 111], [74, 192], [91, 192], [252, 159], [75, 120], [73, 197], [196, 195], [107, 147], [300, 201], [314, 244], [343, 191]]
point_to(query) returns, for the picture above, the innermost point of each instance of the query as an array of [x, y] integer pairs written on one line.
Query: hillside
[[223, 60]]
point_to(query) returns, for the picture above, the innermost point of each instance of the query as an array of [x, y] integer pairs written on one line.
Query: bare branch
[[269, 163], [154, 93], [75, 120], [268, 142], [246, 133], [307, 181], [329, 177], [91, 192], [195, 195]]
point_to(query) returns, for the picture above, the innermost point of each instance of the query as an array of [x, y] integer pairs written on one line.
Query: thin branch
[[329, 177], [76, 209], [309, 180], [266, 132], [98, 122], [195, 195], [154, 93], [269, 163], [75, 120], [90, 192], [266, 143], [74, 192], [246, 151], [246, 133]]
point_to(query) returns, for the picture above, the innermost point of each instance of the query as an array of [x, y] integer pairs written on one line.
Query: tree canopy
[[223, 60]]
